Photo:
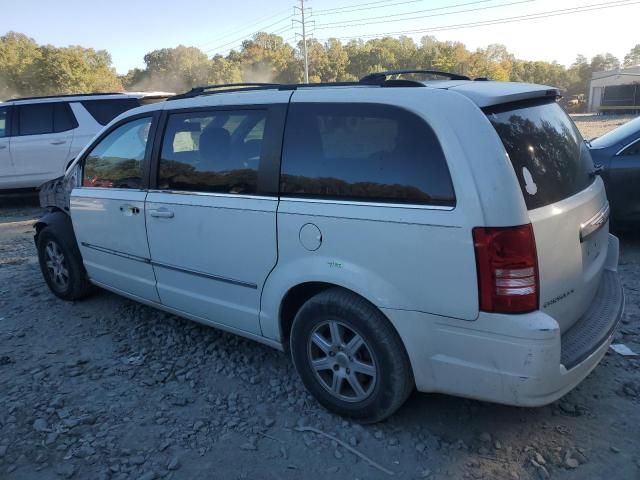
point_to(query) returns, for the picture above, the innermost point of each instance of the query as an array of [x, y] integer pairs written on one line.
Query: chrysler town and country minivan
[[448, 235]]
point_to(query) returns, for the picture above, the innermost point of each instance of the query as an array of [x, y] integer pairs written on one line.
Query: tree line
[[27, 68]]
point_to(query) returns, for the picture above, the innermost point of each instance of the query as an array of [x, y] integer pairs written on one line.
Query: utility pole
[[303, 22]]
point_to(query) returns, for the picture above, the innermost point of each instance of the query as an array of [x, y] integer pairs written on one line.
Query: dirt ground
[[109, 389], [592, 126]]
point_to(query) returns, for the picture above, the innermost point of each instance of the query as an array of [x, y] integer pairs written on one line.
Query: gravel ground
[[109, 389]]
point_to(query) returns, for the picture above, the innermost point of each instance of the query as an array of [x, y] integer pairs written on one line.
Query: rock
[[333, 469], [569, 461], [136, 460], [539, 458], [420, 447], [66, 470], [541, 471], [248, 446], [485, 437], [393, 442], [629, 390], [568, 408], [612, 448], [40, 425], [269, 422], [198, 425], [174, 463], [426, 473], [148, 476]]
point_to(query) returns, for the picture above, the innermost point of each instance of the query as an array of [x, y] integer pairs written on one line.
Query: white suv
[[39, 136], [445, 235]]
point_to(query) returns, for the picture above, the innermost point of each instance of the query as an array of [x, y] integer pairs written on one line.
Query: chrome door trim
[[627, 146], [368, 204], [233, 281]]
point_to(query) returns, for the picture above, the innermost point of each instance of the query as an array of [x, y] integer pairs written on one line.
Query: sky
[[129, 29]]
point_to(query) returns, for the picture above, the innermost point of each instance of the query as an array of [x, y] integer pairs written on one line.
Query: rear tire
[[61, 266], [349, 357]]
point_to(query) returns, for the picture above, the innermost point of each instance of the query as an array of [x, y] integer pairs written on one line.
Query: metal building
[[615, 91]]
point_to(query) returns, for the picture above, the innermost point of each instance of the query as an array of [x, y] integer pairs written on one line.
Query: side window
[[216, 151], [63, 118], [103, 111], [36, 119], [116, 161], [365, 152], [4, 122], [633, 149]]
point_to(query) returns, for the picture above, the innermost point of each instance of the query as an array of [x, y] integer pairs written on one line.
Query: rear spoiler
[[488, 94]]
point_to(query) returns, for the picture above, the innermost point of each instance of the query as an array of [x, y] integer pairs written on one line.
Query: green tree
[[267, 58], [73, 70], [17, 54], [632, 59], [603, 62]]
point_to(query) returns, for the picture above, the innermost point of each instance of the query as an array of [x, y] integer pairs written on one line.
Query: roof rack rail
[[374, 79], [206, 89], [380, 77], [66, 95]]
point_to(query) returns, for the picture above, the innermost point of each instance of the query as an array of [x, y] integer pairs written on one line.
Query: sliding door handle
[[58, 142], [161, 213]]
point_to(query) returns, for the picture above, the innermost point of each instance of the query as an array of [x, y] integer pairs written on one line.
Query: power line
[[386, 18], [330, 11], [246, 27], [498, 21], [244, 37], [367, 5]]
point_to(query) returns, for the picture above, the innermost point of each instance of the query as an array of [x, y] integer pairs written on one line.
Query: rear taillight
[[507, 269]]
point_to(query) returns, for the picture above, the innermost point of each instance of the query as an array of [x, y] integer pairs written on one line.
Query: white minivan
[[447, 234], [39, 136]]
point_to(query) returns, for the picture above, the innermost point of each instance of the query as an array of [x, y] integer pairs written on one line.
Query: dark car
[[617, 153]]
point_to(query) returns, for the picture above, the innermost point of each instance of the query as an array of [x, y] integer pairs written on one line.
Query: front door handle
[[59, 142], [161, 213]]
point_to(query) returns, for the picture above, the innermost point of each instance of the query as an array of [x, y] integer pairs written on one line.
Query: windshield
[[617, 135], [546, 150]]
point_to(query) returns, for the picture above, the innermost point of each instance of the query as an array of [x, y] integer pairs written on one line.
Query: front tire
[[350, 357], [61, 266]]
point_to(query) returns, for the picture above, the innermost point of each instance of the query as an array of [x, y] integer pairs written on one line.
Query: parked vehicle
[[39, 136], [449, 235], [617, 154]]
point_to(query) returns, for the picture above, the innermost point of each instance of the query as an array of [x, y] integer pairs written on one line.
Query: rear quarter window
[[546, 150], [103, 111], [366, 152]]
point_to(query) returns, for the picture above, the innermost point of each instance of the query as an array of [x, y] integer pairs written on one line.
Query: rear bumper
[[519, 360]]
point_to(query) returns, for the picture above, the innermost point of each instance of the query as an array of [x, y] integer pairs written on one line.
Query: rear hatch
[[567, 204]]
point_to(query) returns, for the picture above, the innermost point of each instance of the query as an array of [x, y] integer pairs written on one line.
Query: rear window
[[546, 150], [367, 152], [103, 111]]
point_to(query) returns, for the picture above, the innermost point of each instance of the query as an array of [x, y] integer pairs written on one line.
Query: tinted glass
[[632, 149], [63, 118], [106, 110], [363, 152], [116, 161], [212, 151], [546, 150], [36, 119], [3, 122]]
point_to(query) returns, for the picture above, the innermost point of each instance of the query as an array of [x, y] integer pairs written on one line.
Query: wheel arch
[[298, 294]]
